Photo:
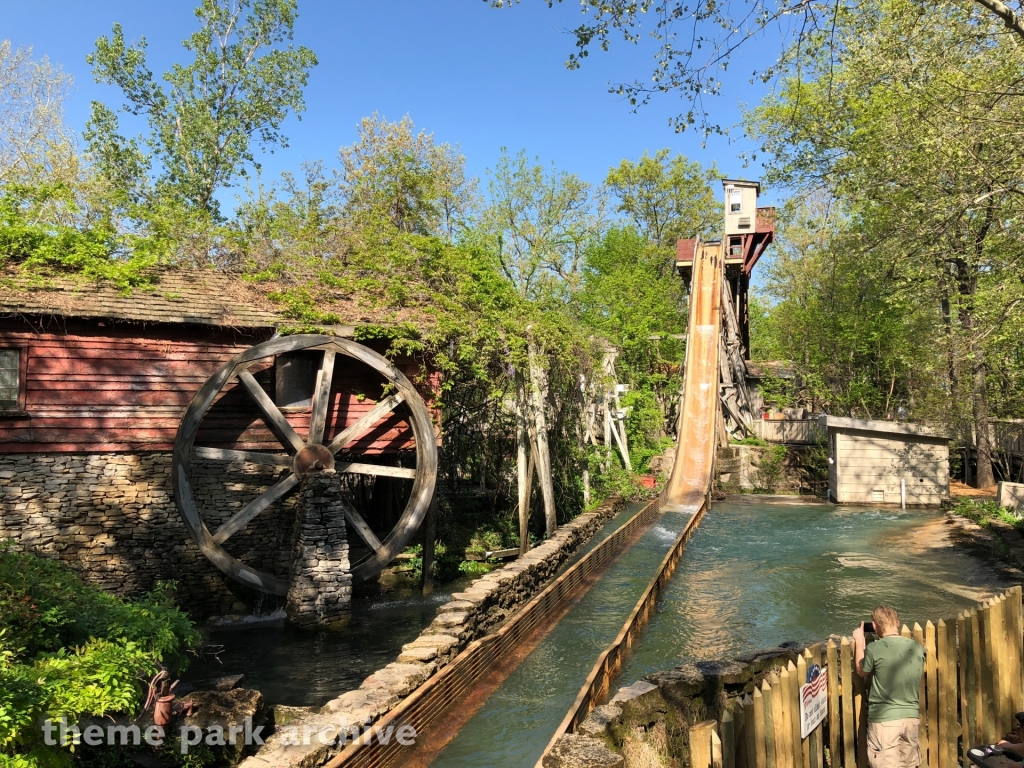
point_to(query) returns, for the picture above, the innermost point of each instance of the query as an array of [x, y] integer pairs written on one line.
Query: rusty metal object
[[304, 454]]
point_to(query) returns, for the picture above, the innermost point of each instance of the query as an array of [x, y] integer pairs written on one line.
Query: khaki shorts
[[894, 744]]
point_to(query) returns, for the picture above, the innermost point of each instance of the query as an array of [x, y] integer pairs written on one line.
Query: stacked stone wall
[[320, 588], [111, 517]]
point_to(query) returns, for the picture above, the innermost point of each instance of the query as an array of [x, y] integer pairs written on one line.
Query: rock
[[572, 751], [725, 672], [226, 709], [677, 684], [600, 720], [640, 702]]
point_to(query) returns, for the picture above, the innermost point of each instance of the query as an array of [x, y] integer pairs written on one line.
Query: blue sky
[[480, 77]]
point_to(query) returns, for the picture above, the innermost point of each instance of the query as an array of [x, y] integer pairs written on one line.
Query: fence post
[[947, 699], [987, 712], [801, 679], [1018, 647], [741, 725], [700, 744], [963, 634], [793, 704], [977, 662], [1002, 667], [784, 745], [767, 707], [931, 674], [846, 674], [832, 662], [728, 728], [760, 750], [750, 730], [716, 749], [918, 635]]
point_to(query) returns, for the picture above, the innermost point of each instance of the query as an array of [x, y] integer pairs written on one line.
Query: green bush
[[769, 471], [985, 511], [68, 649]]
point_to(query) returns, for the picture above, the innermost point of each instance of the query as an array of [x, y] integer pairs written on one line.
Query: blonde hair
[[885, 619]]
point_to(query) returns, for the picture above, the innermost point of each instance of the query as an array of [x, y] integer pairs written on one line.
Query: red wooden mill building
[[94, 383]]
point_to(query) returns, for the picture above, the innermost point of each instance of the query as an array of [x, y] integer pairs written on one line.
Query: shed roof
[[890, 427], [195, 296], [198, 296]]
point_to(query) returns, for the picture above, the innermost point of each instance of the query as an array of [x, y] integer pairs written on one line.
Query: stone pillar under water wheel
[[320, 592]]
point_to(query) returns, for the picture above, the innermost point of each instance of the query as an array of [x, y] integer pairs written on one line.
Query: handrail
[[609, 663], [440, 692]]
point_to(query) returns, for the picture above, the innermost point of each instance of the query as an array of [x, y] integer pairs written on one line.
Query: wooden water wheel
[[312, 418]]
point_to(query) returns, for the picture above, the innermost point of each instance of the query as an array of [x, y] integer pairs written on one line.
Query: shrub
[[68, 649], [769, 471]]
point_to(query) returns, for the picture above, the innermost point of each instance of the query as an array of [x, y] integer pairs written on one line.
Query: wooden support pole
[[524, 469], [429, 537], [542, 450]]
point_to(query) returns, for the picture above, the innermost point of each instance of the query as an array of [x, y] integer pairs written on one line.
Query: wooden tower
[[748, 231]]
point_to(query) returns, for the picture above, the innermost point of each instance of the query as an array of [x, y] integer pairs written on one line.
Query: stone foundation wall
[[111, 517], [480, 610], [737, 465]]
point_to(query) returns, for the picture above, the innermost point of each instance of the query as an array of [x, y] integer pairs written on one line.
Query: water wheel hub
[[313, 458]]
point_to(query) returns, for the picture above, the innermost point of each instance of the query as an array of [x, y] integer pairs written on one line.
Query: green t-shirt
[[895, 664]]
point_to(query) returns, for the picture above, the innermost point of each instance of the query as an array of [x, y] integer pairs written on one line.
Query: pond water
[[308, 668], [755, 574]]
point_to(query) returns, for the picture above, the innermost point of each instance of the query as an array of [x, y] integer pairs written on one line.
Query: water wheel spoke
[[374, 469], [251, 457], [375, 414], [321, 399], [355, 520], [272, 414], [241, 518]]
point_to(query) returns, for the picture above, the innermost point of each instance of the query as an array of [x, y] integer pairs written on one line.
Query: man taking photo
[[895, 665]]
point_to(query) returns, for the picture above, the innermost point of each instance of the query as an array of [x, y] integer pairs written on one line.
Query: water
[[522, 714], [308, 669], [757, 574]]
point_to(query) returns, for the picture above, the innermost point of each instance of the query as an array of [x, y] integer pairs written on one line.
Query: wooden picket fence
[[973, 684]]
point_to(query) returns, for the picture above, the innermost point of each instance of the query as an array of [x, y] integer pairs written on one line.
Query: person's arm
[[858, 651]]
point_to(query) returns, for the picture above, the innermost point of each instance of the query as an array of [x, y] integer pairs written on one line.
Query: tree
[[695, 41], [240, 86], [393, 174], [667, 198], [36, 147], [539, 223], [914, 130]]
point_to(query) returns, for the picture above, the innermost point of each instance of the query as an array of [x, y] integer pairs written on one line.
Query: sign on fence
[[813, 700]]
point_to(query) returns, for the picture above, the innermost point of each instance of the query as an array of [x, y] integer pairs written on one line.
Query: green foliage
[[34, 237], [984, 511], [243, 81], [71, 650], [751, 440], [668, 199], [769, 470]]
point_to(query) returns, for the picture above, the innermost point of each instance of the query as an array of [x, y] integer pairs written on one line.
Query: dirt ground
[[958, 490]]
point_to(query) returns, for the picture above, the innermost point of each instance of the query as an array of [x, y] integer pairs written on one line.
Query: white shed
[[876, 462]]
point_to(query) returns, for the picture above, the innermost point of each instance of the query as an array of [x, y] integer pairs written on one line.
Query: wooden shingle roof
[[192, 296]]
